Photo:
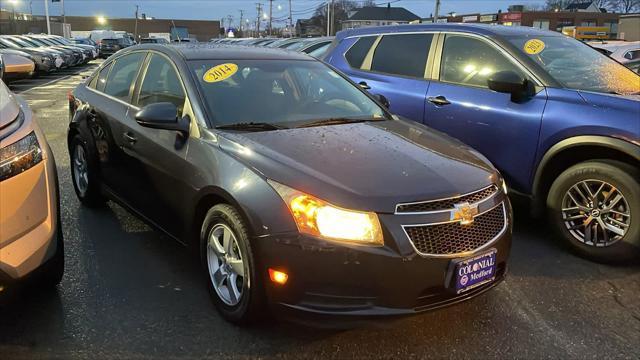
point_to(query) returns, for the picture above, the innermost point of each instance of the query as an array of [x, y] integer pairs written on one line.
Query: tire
[[594, 244], [249, 305], [88, 192]]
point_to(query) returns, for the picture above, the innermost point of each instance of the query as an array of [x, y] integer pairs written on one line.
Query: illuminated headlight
[[19, 156], [318, 218]]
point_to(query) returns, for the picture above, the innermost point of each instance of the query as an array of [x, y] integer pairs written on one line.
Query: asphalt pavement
[[130, 292]]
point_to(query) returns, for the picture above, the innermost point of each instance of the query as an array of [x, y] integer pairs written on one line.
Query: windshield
[[283, 92], [18, 43], [577, 66], [31, 41]]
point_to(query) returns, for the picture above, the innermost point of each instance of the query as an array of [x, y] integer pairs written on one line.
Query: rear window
[[356, 54], [112, 41]]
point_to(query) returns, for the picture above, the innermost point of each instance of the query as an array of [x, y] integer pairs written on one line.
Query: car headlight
[[317, 217], [19, 156]]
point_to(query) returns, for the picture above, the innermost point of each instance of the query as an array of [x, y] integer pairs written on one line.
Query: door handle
[[130, 138], [438, 100], [363, 85]]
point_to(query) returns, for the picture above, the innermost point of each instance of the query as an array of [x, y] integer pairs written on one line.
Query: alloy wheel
[[596, 213], [226, 267], [80, 169]]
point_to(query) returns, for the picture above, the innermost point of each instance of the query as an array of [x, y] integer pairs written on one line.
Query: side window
[[402, 54], [632, 55], [356, 54], [122, 75], [101, 79], [161, 84], [470, 61]]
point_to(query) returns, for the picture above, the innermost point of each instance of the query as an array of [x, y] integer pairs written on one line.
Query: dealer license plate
[[476, 271]]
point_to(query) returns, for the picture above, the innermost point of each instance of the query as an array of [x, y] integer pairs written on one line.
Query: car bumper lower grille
[[452, 238]]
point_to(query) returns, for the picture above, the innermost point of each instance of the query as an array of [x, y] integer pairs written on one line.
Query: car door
[[395, 66], [460, 104], [157, 157], [113, 87]]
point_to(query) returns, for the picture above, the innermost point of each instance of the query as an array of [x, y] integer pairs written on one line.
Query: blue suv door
[[461, 105], [393, 65]]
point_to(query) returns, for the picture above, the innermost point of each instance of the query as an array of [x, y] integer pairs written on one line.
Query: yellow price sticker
[[220, 72], [534, 46]]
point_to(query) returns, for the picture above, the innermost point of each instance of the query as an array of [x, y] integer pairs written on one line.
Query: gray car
[[296, 188]]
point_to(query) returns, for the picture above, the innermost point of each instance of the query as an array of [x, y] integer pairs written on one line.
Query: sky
[[217, 9]]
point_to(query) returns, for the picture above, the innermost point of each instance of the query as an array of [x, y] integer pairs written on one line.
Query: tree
[[552, 5], [339, 12], [626, 6]]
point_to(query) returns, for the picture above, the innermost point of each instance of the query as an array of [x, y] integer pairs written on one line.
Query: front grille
[[446, 204], [453, 238]]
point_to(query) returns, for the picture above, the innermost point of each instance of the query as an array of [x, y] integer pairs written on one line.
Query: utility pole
[[328, 16], [64, 19], [46, 13], [259, 8], [241, 15], [290, 21], [229, 19], [31, 8], [435, 13], [270, 14], [135, 31]]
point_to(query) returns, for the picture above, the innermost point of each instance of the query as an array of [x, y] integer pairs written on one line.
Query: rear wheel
[[84, 173], [595, 206], [229, 263]]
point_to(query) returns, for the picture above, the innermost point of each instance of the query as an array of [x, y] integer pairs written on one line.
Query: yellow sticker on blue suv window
[[534, 46], [220, 72]]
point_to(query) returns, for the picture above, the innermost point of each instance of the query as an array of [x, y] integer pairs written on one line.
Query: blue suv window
[[470, 61], [356, 54], [402, 54]]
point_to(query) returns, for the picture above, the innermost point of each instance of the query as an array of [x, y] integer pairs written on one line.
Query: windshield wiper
[[335, 121], [251, 126]]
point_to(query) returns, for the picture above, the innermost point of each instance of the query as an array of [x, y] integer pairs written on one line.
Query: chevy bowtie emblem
[[464, 212]]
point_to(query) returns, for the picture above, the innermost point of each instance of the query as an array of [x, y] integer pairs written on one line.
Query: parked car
[[98, 35], [70, 57], [17, 65], [154, 40], [85, 41], [31, 241], [624, 52], [84, 55], [313, 180], [46, 59], [90, 50], [109, 47], [558, 119], [1, 67]]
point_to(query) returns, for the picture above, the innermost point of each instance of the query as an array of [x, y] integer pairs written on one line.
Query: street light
[[13, 15], [101, 20]]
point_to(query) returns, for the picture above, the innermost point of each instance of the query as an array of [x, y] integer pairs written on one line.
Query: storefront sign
[[488, 18], [511, 17], [470, 18]]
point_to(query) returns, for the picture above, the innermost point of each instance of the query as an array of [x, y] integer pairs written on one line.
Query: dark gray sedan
[[297, 188]]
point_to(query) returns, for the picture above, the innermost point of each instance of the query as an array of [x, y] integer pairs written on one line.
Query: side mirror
[[164, 116], [382, 100], [511, 83]]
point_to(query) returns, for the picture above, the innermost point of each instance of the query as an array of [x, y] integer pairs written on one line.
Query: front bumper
[[28, 220], [328, 279]]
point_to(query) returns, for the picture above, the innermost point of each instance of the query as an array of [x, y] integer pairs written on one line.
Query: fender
[[627, 147]]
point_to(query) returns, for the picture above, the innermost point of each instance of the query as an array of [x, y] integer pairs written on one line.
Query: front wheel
[[595, 207], [84, 173], [230, 266]]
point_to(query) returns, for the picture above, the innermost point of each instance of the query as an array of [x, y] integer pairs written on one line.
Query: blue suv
[[560, 120]]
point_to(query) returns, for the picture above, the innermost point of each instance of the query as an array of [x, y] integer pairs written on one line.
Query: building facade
[[202, 30]]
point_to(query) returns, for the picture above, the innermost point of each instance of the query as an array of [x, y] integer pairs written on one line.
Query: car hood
[[365, 166]]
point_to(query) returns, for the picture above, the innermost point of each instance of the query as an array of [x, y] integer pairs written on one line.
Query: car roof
[[213, 51], [482, 29]]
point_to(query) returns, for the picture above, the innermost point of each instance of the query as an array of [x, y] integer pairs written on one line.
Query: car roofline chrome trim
[[462, 254]]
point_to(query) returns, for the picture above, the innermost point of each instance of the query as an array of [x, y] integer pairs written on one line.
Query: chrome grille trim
[[458, 198], [462, 254]]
